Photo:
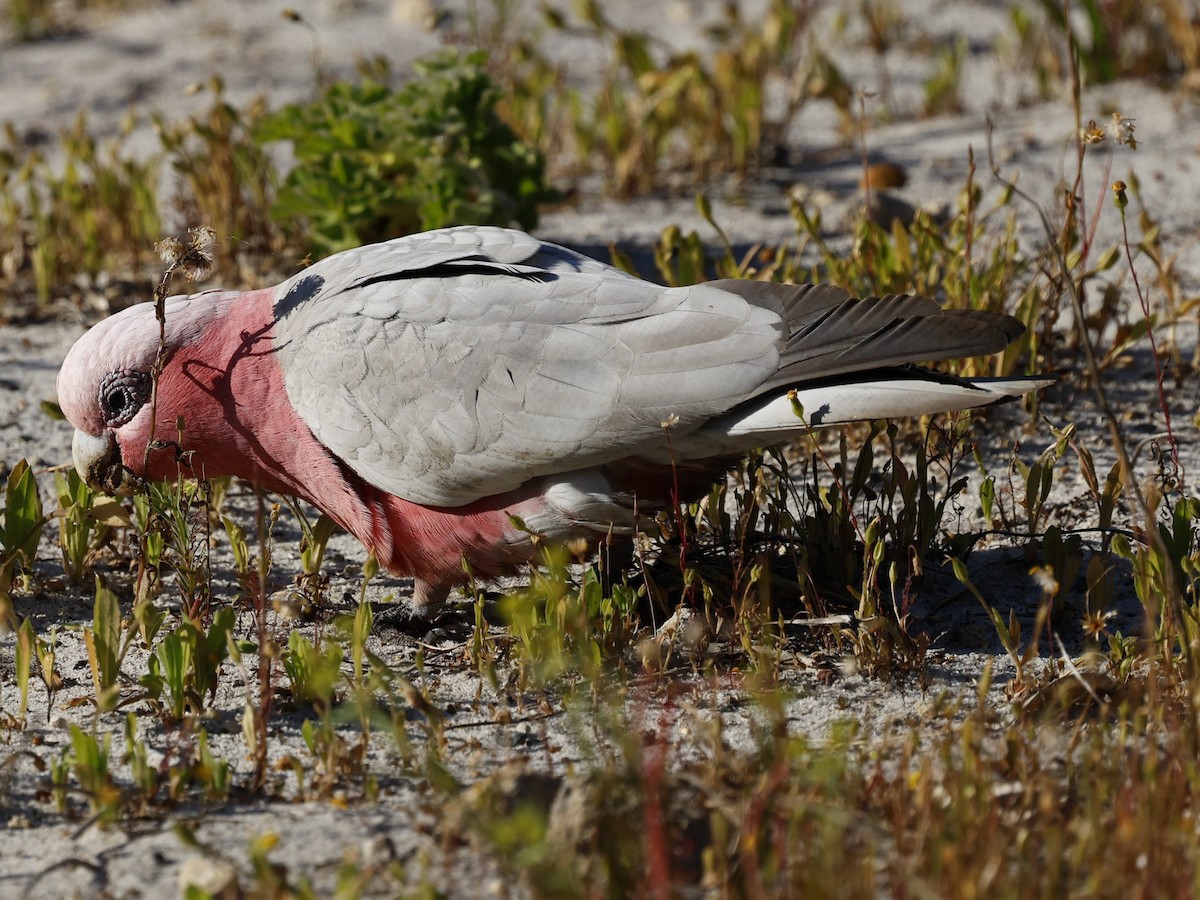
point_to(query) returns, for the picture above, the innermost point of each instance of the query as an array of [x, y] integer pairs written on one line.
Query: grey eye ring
[[122, 394]]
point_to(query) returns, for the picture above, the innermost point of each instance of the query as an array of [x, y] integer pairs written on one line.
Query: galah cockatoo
[[428, 392]]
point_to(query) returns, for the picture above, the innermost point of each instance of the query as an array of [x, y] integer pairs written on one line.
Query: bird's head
[[105, 386]]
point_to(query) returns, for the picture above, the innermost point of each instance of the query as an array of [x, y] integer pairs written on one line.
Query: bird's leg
[[429, 597], [425, 616]]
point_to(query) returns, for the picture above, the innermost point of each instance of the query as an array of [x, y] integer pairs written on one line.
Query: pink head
[[104, 385]]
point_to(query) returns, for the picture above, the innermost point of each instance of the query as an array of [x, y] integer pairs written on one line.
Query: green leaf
[[373, 163], [174, 660], [24, 653], [52, 410], [22, 515], [106, 638]]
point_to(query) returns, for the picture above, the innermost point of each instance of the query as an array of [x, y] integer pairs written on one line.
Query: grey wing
[[459, 364], [832, 333]]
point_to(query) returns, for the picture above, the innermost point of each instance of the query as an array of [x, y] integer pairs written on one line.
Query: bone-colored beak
[[98, 462]]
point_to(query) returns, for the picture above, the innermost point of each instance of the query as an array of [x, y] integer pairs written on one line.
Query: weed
[[144, 775], [535, 96], [1125, 39], [943, 87], [97, 212], [224, 179], [310, 583], [30, 18], [1031, 48], [186, 665], [23, 664], [887, 28], [375, 163], [88, 759], [22, 518], [981, 805], [85, 520], [657, 118], [30, 646], [21, 523], [314, 673], [179, 512], [105, 647], [34, 20]]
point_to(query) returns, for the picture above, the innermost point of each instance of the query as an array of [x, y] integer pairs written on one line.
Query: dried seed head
[[1092, 133], [169, 250], [1121, 129], [194, 258], [203, 237], [197, 261]]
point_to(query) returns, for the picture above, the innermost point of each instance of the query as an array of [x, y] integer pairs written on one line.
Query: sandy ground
[[145, 59]]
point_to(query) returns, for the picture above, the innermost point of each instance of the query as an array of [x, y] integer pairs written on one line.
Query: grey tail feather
[[831, 333]]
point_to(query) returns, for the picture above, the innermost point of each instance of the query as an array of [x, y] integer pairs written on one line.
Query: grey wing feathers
[[455, 365], [444, 390], [501, 247], [831, 333]]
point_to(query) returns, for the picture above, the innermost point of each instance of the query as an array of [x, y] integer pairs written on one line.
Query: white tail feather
[[775, 420]]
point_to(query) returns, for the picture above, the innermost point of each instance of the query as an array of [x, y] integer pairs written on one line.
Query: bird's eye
[[119, 400], [122, 395]]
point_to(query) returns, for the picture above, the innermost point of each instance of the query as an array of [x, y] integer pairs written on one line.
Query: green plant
[[85, 520], [1031, 48], [30, 647], [97, 209], [550, 623], [180, 512], [314, 537], [23, 655], [374, 163], [30, 18], [1126, 39], [887, 28], [704, 114], [105, 647], [34, 20], [144, 774], [187, 662], [212, 771], [21, 519], [88, 759], [21, 523], [942, 88], [315, 673], [224, 180], [101, 210]]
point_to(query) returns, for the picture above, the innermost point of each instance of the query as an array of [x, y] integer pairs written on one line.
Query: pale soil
[[146, 58]]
